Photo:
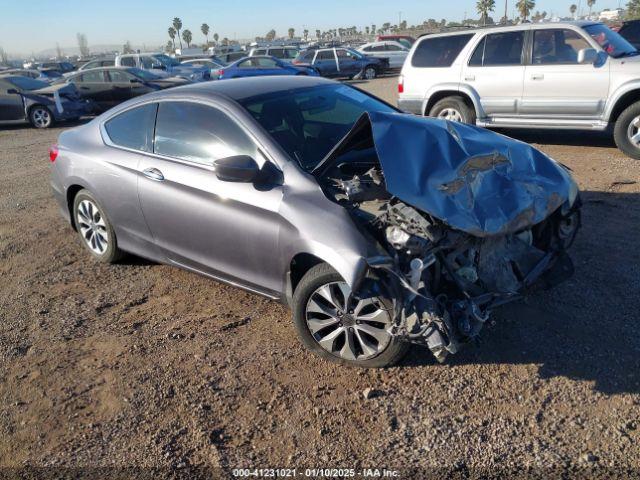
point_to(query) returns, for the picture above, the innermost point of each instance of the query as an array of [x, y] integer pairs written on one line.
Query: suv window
[[198, 133], [439, 51], [325, 55], [308, 56], [499, 49], [277, 52], [128, 62], [290, 53], [133, 128], [260, 51], [119, 76], [96, 77], [557, 46]]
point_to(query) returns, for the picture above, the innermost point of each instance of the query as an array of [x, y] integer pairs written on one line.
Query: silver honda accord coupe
[[379, 229]]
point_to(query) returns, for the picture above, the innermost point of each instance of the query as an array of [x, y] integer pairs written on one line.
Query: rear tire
[[94, 228], [378, 351], [370, 73], [40, 116], [454, 109], [626, 131]]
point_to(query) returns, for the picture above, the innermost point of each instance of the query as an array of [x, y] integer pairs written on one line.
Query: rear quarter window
[[133, 128], [438, 52]]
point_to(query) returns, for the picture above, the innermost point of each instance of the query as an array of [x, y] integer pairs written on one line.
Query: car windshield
[[167, 61], [611, 42], [143, 74], [308, 122], [354, 52], [26, 83]]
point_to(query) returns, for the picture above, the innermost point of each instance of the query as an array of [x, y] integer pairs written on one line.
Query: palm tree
[[216, 37], [177, 24], [573, 9], [591, 3], [204, 28], [291, 32], [186, 36], [524, 8], [172, 35], [305, 32], [484, 7]]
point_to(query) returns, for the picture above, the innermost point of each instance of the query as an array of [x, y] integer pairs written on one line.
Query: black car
[[25, 99], [631, 32], [107, 87]]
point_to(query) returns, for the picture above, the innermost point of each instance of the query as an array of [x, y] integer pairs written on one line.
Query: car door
[[395, 53], [93, 85], [496, 72], [348, 63], [11, 104], [126, 86], [326, 63], [228, 230], [555, 84]]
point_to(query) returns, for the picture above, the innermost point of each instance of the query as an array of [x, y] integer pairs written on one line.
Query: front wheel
[[356, 334], [453, 109], [40, 116], [626, 132], [370, 73]]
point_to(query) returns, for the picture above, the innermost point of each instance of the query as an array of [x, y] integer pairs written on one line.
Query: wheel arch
[[72, 191], [435, 97], [624, 101]]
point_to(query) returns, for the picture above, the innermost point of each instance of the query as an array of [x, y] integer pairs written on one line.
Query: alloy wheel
[[633, 132], [92, 227], [358, 331], [41, 117], [450, 114], [370, 73]]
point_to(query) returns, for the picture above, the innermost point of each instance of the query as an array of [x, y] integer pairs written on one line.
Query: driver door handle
[[153, 174], [537, 76]]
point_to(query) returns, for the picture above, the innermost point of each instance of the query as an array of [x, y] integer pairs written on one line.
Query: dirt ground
[[145, 366]]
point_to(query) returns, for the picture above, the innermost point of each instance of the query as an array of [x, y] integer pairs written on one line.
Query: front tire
[[453, 109], [356, 334], [626, 132], [370, 73], [40, 116], [95, 230]]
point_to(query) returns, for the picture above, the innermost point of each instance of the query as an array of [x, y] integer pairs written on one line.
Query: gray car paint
[[247, 237]]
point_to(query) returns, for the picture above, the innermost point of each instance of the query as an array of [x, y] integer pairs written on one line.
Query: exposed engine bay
[[442, 281]]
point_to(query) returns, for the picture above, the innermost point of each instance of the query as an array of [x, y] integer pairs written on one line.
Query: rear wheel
[[40, 116], [94, 229], [453, 109], [370, 73], [357, 334], [626, 131]]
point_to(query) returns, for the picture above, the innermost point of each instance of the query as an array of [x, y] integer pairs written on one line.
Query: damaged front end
[[464, 220]]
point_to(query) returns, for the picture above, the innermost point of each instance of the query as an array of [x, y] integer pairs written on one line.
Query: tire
[[40, 116], [94, 229], [370, 73], [335, 330], [624, 129], [455, 109]]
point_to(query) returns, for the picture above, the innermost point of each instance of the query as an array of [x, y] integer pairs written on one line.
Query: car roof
[[519, 26], [241, 88]]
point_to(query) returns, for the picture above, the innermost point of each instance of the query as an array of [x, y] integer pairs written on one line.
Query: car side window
[[133, 128], [308, 56], [266, 62], [439, 52], [290, 53], [199, 133], [277, 52], [392, 48], [261, 51], [325, 55], [93, 77], [119, 76], [128, 62], [557, 46], [499, 49]]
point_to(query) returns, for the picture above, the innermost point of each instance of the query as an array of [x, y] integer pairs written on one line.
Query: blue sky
[[34, 25]]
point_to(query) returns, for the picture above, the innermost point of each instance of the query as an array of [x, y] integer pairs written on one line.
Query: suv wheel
[[94, 229], [454, 109], [626, 131], [355, 334]]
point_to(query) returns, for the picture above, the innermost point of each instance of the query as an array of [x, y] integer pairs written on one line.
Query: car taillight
[[220, 72], [53, 153], [401, 84]]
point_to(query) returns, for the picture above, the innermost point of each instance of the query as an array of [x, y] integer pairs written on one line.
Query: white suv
[[571, 75]]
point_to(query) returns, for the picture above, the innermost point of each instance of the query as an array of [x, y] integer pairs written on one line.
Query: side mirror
[[12, 91], [587, 55], [239, 168]]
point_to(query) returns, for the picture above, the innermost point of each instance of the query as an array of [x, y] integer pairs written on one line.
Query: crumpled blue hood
[[474, 180]]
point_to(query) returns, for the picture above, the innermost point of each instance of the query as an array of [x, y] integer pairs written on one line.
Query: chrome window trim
[[109, 142]]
